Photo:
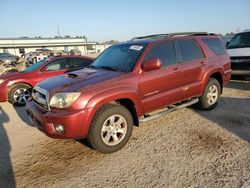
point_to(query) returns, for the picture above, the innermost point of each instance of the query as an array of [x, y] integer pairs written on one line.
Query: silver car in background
[[8, 58]]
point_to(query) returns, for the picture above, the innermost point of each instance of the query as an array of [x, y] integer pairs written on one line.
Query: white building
[[17, 46]]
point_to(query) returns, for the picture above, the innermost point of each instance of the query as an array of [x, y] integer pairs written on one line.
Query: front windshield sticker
[[136, 47]]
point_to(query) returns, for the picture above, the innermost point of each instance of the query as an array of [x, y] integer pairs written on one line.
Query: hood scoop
[[77, 74], [74, 75]]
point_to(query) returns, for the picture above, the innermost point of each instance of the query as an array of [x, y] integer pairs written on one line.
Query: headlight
[[64, 100], [2, 81]]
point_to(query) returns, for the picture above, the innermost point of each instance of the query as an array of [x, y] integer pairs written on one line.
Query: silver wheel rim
[[114, 130], [21, 95], [212, 94]]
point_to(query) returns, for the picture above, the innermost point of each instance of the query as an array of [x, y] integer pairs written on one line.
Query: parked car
[[16, 87], [37, 55], [239, 51], [6, 67], [8, 58], [127, 83], [75, 52]]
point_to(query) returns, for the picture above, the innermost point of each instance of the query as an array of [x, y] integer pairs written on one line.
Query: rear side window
[[79, 63], [189, 50], [165, 52], [215, 45]]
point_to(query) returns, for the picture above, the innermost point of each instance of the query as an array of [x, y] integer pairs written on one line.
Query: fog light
[[59, 128]]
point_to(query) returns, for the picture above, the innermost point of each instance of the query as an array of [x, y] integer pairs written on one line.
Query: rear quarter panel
[[214, 64]]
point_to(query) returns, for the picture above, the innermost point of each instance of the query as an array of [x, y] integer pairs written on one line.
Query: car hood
[[7, 58], [77, 80], [14, 75], [236, 52]]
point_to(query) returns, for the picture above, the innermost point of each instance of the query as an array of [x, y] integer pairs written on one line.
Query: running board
[[172, 108]]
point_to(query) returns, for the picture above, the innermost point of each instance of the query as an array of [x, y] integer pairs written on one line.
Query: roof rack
[[189, 34], [150, 36], [173, 34]]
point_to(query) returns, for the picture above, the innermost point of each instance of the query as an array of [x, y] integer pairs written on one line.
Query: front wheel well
[[130, 106], [13, 85], [218, 77]]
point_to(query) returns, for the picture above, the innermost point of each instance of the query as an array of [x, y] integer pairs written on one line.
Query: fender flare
[[114, 94]]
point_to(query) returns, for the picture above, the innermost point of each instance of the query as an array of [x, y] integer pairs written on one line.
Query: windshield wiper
[[91, 66], [108, 68]]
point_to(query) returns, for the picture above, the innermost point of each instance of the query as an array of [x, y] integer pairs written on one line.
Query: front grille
[[40, 98], [240, 58], [240, 63]]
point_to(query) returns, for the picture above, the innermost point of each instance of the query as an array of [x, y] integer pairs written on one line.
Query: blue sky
[[102, 20]]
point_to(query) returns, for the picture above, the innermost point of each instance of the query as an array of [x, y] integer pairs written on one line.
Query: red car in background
[[16, 87]]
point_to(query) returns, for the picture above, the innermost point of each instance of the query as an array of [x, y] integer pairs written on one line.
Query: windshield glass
[[241, 40], [4, 55], [119, 57], [35, 66]]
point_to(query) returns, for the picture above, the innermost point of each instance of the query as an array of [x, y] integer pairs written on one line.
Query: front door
[[54, 68], [162, 87]]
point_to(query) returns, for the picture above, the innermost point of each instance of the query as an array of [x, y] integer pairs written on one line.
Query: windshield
[[119, 57], [5, 55], [241, 40], [35, 66]]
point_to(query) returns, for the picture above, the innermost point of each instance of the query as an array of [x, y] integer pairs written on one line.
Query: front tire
[[110, 129], [19, 93], [211, 95]]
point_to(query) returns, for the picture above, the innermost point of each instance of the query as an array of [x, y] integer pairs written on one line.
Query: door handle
[[176, 69], [202, 63]]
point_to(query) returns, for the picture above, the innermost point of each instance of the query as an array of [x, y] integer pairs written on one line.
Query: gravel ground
[[186, 148]]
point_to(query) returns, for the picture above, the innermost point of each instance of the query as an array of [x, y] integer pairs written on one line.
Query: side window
[[215, 45], [79, 63], [165, 52], [189, 50], [58, 64]]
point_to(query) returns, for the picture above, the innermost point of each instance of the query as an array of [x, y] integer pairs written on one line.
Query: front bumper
[[73, 121], [240, 66]]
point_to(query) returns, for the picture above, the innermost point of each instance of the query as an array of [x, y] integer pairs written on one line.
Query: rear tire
[[110, 129], [19, 93], [211, 95]]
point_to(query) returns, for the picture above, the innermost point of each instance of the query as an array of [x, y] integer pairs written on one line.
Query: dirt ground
[[186, 148]]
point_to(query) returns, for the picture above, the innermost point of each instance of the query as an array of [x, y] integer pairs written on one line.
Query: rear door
[[193, 63], [161, 87]]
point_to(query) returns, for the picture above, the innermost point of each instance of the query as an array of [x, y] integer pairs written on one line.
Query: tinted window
[[58, 64], [165, 52], [36, 65], [215, 45], [189, 50], [241, 40], [79, 63]]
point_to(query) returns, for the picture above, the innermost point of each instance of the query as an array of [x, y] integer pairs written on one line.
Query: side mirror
[[45, 69], [152, 64], [227, 44]]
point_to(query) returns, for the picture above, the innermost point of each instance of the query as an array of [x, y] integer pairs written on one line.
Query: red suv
[[16, 87], [127, 83]]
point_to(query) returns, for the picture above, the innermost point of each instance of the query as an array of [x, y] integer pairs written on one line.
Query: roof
[[157, 37], [168, 35], [245, 31]]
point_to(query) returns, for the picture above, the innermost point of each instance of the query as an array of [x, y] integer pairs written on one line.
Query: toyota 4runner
[[129, 83]]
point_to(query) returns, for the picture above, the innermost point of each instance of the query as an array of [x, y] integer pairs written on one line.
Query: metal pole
[[58, 31]]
